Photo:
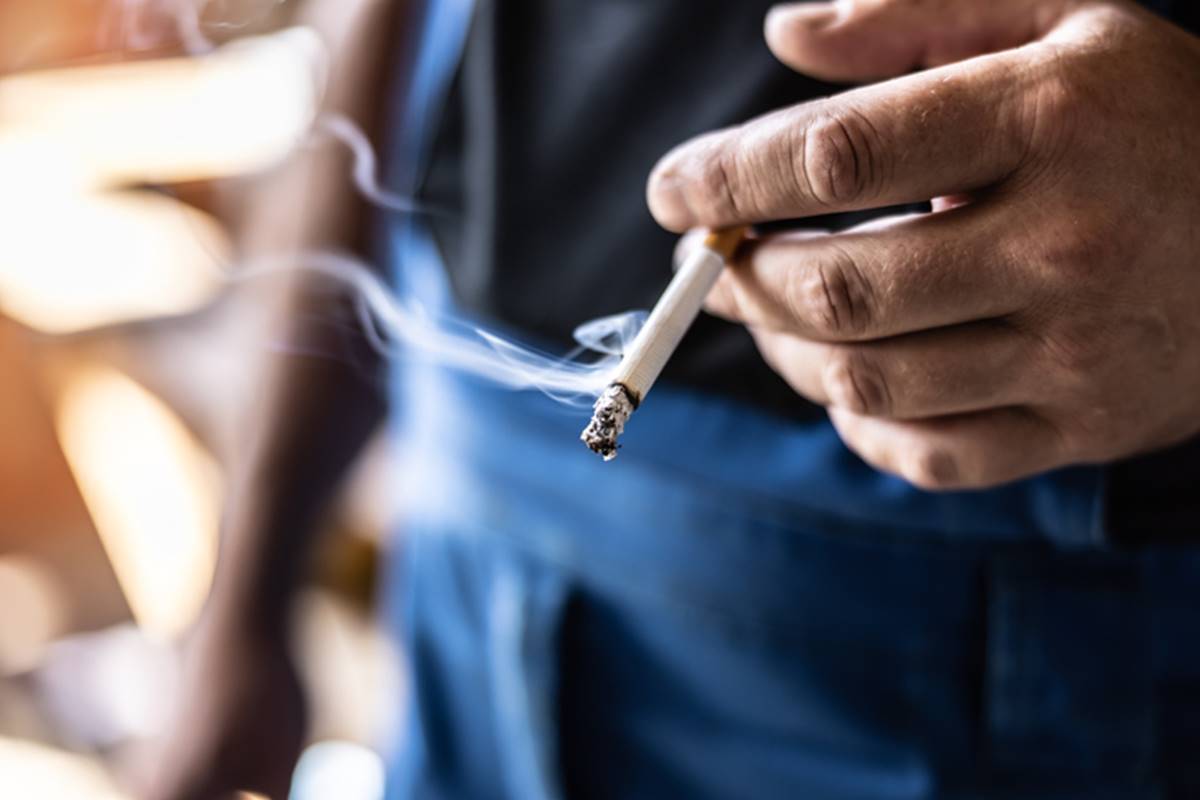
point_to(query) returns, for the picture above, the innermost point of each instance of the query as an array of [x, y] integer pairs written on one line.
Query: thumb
[[863, 40]]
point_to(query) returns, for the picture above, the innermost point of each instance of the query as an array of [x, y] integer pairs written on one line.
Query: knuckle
[[717, 193], [854, 382], [1055, 98], [833, 299], [1075, 252], [837, 159], [1055, 103], [932, 467], [1092, 430], [1078, 352]]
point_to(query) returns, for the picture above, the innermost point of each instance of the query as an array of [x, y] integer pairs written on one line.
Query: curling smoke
[[400, 326], [144, 24], [137, 25], [366, 167], [403, 328]]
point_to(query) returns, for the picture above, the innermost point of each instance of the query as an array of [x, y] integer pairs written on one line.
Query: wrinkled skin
[[1048, 312]]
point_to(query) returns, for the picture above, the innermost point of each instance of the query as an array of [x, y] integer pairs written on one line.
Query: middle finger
[[890, 277], [933, 373]]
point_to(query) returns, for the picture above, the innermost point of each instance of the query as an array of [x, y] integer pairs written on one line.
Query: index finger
[[945, 131]]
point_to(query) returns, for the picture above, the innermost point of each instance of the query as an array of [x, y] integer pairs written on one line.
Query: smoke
[[138, 25], [187, 14], [366, 167], [400, 326], [403, 328], [147, 24]]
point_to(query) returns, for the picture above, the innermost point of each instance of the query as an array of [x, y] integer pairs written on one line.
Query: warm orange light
[[32, 612], [152, 491], [78, 253], [170, 120], [32, 771], [86, 260]]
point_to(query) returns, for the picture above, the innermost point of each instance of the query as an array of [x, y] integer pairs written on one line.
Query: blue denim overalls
[[739, 608]]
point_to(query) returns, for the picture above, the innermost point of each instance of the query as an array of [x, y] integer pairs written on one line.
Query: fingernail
[[793, 19], [667, 201]]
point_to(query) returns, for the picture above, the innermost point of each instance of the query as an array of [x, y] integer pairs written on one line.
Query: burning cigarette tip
[[673, 314], [612, 410]]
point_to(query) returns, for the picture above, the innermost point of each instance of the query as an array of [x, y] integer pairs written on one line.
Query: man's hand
[[1048, 311]]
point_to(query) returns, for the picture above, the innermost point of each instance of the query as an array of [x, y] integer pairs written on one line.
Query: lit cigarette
[[668, 322]]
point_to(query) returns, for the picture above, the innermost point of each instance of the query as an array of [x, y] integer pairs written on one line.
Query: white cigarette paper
[[664, 330], [675, 312]]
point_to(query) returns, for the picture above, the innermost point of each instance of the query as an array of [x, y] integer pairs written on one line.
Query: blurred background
[[127, 128]]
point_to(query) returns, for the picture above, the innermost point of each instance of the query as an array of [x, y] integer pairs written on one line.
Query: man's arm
[[242, 720]]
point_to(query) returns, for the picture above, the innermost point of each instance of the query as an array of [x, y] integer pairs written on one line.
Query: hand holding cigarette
[[1048, 311]]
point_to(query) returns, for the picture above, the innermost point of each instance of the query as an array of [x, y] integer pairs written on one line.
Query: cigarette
[[660, 336]]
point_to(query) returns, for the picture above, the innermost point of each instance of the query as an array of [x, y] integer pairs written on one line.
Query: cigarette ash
[[612, 410]]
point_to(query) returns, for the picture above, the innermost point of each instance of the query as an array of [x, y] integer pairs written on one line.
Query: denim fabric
[[738, 608]]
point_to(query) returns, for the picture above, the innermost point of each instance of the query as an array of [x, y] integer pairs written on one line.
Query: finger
[[919, 376], [862, 40], [951, 130], [890, 277], [972, 451]]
